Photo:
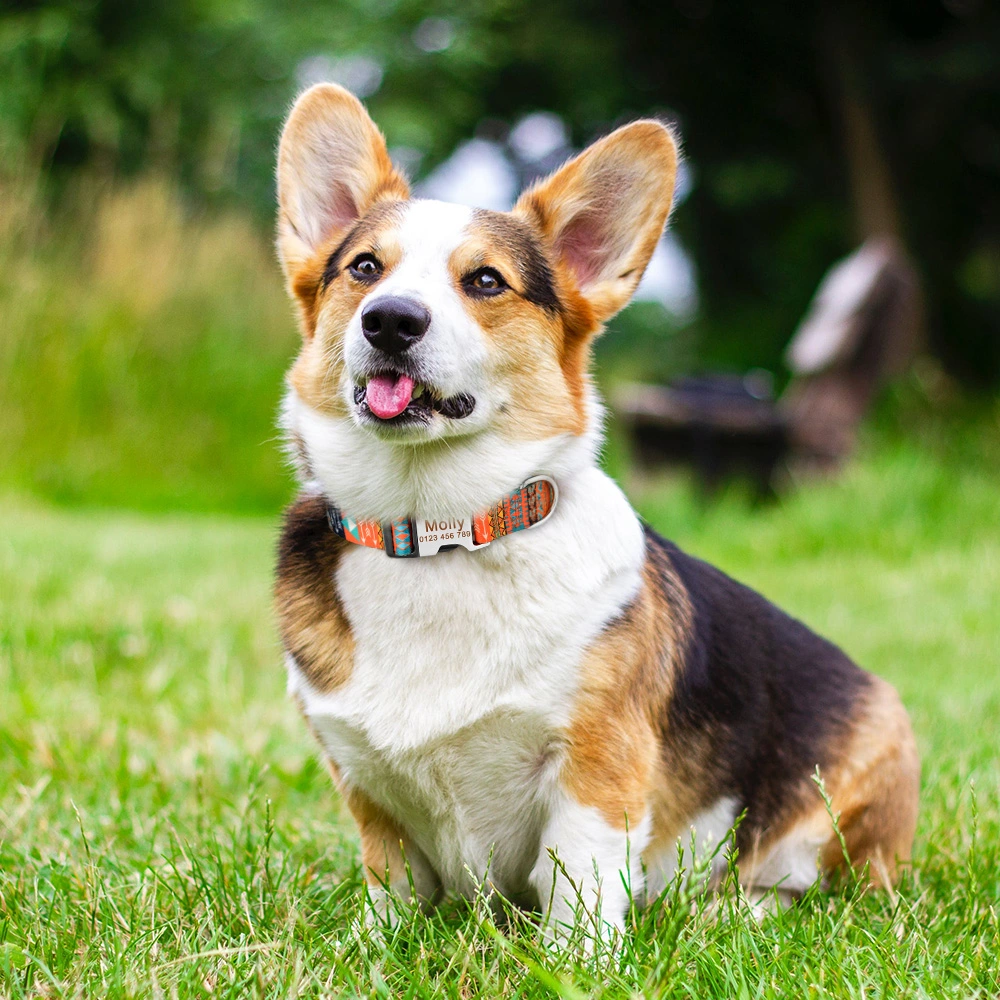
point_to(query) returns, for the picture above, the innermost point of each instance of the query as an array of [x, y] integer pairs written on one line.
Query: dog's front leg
[[587, 867], [396, 870]]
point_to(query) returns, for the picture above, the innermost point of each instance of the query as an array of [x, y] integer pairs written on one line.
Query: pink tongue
[[389, 395]]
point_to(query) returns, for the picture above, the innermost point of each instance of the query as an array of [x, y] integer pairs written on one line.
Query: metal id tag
[[434, 534]]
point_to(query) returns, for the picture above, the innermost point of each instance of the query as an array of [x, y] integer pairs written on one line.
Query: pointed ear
[[332, 167], [602, 214]]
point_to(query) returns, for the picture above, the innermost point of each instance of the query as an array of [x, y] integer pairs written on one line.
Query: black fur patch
[[305, 537], [769, 698], [517, 238]]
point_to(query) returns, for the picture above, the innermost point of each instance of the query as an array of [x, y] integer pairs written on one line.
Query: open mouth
[[395, 398]]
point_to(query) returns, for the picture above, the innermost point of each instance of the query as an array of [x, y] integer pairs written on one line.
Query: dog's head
[[427, 322]]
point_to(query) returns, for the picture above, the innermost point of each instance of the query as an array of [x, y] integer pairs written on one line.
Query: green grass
[[165, 828], [166, 831]]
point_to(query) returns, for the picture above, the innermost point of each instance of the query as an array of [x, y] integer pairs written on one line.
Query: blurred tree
[[807, 128], [811, 129]]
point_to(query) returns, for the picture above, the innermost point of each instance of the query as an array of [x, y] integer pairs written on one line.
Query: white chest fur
[[465, 670]]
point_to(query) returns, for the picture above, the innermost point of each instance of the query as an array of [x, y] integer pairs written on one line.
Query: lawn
[[165, 829]]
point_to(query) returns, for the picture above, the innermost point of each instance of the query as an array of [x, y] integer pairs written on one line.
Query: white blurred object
[[684, 183], [538, 135], [361, 75], [476, 174], [434, 34], [406, 159], [830, 330], [670, 279]]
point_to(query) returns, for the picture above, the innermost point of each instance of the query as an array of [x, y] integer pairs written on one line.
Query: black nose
[[394, 324]]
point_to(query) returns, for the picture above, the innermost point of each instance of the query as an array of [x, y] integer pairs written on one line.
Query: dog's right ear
[[333, 165]]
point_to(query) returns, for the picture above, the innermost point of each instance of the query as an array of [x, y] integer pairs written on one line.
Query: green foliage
[[142, 354], [198, 90], [764, 102], [165, 828]]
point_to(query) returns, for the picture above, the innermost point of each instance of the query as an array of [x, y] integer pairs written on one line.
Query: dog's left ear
[[601, 215], [332, 167]]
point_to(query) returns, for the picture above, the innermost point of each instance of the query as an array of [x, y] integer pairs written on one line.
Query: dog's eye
[[365, 268], [485, 281]]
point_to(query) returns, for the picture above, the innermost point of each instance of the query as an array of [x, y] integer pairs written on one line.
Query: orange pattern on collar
[[526, 507]]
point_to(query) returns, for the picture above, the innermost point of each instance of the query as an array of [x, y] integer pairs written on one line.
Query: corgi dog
[[516, 683]]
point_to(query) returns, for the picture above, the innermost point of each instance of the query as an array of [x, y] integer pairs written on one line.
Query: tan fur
[[318, 372], [875, 790], [328, 135], [333, 166], [314, 628], [613, 747], [621, 760], [525, 346], [619, 757], [389, 858], [382, 839], [599, 218]]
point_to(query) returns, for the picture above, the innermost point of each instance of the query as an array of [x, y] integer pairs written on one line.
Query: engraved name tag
[[434, 534]]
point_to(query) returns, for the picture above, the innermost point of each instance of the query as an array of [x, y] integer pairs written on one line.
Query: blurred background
[[143, 327], [823, 314]]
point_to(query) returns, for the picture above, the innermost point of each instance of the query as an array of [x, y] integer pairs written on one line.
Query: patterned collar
[[405, 537]]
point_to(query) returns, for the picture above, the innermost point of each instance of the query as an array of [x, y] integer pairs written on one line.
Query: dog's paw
[[764, 903], [584, 934], [382, 912]]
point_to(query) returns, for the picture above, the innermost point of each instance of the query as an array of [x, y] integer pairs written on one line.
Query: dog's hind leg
[[870, 820], [874, 793]]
